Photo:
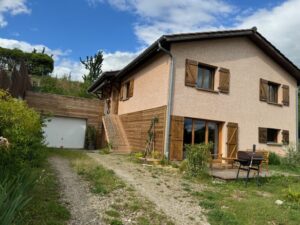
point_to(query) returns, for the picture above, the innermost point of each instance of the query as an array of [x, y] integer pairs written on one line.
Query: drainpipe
[[297, 117], [170, 102]]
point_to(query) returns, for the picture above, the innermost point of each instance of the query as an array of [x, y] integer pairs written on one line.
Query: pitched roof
[[253, 34], [108, 75]]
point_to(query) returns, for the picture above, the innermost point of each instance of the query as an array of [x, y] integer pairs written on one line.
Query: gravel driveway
[[167, 190], [84, 206]]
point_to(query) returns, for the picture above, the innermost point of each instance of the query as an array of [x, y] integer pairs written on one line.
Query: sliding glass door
[[201, 131]]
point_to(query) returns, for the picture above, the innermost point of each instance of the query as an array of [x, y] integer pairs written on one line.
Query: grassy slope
[[45, 207]]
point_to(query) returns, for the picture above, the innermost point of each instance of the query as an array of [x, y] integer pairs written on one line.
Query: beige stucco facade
[[247, 64], [150, 86]]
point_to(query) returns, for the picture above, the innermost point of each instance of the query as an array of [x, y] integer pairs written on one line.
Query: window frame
[[206, 67], [277, 86]]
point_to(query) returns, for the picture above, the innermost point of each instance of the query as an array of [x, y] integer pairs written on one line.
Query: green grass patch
[[112, 213], [234, 203], [45, 207]]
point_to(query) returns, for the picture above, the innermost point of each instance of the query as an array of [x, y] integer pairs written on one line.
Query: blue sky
[[70, 29]]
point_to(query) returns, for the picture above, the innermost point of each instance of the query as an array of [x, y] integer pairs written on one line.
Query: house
[[232, 88]]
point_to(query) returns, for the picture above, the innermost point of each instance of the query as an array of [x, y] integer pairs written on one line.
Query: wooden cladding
[[224, 80], [176, 138], [136, 126], [268, 92], [191, 72], [232, 140], [58, 105], [285, 95]]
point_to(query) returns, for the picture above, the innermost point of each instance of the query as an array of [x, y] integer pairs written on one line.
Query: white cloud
[[280, 25], [117, 60], [69, 67], [12, 7], [159, 17]]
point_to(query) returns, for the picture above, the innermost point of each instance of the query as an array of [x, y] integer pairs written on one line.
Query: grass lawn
[[45, 207], [124, 203], [234, 203]]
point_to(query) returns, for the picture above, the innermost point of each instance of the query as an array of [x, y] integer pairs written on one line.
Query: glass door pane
[[187, 134], [213, 137], [199, 129]]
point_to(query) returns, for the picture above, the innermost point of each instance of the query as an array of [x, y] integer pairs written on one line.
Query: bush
[[22, 127], [274, 159], [198, 158], [183, 166], [293, 156]]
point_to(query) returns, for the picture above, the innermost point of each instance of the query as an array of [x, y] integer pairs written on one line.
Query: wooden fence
[[16, 82]]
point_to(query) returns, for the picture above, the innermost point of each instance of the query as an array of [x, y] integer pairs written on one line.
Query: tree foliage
[[37, 63], [93, 64]]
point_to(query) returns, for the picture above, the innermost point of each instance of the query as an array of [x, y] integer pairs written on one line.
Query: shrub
[[293, 155], [274, 159], [198, 157], [90, 138], [13, 195], [22, 127], [183, 166]]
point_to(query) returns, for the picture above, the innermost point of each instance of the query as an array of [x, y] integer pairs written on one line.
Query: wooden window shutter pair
[[285, 95], [263, 90], [128, 87], [191, 72], [262, 135], [224, 80], [285, 137]]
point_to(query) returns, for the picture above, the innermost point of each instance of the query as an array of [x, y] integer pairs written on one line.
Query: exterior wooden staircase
[[115, 133]]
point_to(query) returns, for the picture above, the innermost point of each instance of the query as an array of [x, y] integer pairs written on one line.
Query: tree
[[93, 64], [37, 63]]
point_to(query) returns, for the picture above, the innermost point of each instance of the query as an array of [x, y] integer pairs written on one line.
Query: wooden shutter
[[232, 140], [285, 95], [285, 137], [191, 72], [121, 92], [131, 85], [263, 93], [176, 138], [224, 80], [262, 135]]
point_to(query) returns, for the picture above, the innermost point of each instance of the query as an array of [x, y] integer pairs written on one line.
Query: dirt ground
[[166, 189], [84, 206]]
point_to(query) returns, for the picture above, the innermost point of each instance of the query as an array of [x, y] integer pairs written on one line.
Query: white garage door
[[65, 132]]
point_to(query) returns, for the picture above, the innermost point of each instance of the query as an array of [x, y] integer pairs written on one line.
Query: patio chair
[[265, 161]]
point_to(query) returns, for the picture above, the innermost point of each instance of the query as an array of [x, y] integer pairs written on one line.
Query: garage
[[65, 132]]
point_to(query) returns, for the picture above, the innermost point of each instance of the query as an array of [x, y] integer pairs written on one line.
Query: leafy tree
[[37, 63], [93, 64]]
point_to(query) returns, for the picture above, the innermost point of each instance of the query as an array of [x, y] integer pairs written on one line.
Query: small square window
[[205, 77], [272, 135], [273, 92]]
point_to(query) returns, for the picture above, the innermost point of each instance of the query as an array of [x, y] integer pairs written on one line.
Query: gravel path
[[167, 190], [83, 205]]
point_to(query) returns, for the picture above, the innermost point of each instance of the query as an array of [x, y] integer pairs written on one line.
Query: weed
[[116, 222], [112, 213]]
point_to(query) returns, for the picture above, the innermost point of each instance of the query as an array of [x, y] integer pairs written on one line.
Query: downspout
[[169, 103]]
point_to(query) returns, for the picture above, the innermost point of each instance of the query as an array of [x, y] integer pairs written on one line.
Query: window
[[268, 135], [273, 92], [126, 91], [272, 135], [205, 79], [201, 131]]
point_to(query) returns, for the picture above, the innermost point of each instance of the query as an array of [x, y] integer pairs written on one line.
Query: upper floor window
[[273, 92], [205, 77], [126, 91]]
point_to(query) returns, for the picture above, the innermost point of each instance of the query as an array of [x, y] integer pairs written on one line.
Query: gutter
[[170, 102]]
